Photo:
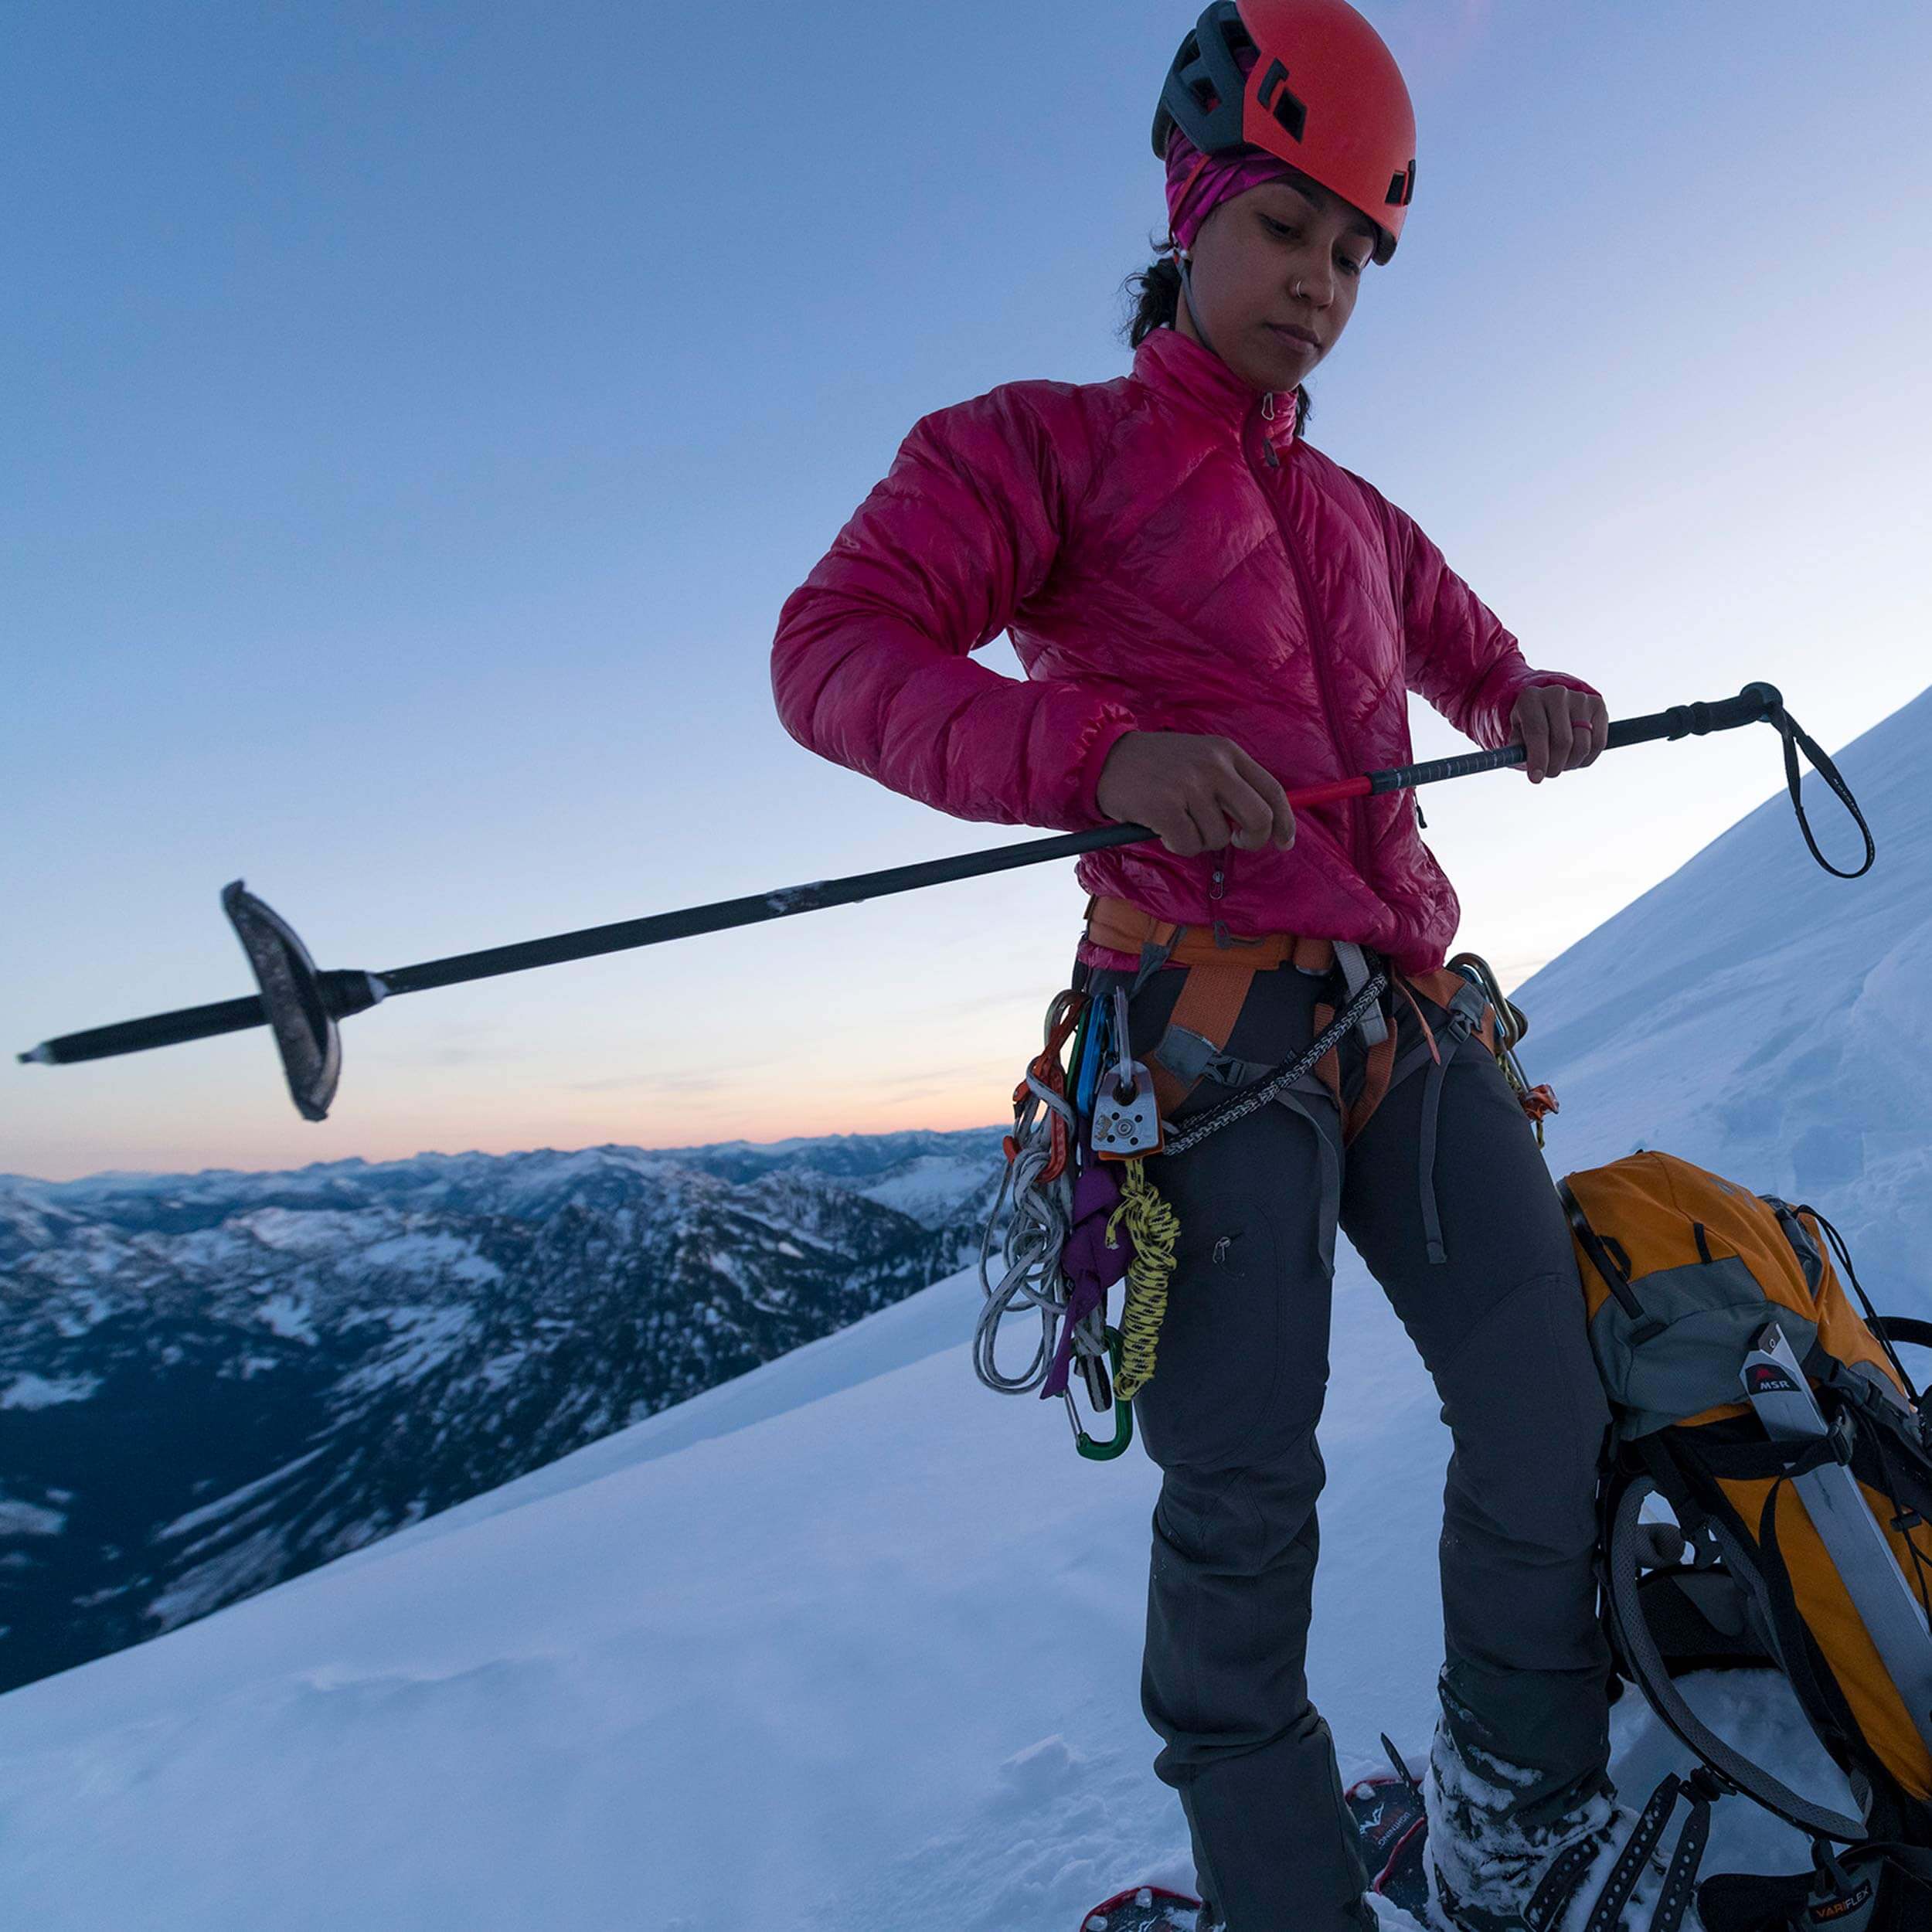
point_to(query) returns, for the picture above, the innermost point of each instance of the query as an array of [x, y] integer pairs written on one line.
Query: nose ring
[[1301, 294]]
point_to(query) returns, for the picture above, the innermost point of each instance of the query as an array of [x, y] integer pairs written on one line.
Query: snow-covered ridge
[[174, 1347], [1764, 1019], [847, 1645]]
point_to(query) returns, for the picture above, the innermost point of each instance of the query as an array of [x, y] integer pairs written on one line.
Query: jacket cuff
[[1113, 729]]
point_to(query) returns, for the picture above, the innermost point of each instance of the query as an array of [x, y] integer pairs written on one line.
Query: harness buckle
[[1349, 956]]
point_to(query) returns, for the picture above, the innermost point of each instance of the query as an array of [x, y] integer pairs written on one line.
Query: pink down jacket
[[1167, 556]]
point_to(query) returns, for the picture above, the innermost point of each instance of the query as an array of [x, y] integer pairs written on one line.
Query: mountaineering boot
[[1576, 1889], [1491, 1871], [1562, 1888]]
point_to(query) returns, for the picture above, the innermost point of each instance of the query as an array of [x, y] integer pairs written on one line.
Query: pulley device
[[304, 1005]]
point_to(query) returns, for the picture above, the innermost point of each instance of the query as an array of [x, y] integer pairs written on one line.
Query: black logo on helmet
[[1286, 108]]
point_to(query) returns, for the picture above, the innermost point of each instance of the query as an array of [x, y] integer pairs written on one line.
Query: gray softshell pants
[[1230, 1417]]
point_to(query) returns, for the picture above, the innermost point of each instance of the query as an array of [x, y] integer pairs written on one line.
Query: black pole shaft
[[348, 991], [157, 1029], [627, 934]]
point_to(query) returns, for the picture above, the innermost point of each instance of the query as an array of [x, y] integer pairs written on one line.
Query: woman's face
[[1252, 255]]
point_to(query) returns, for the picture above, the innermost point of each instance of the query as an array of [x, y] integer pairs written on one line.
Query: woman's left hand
[[1559, 730]]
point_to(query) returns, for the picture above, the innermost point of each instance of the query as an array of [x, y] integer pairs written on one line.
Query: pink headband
[[1197, 184]]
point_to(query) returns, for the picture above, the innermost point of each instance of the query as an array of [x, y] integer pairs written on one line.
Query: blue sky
[[416, 415]]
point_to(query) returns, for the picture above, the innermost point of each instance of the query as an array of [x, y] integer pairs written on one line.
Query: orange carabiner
[[1046, 1069]]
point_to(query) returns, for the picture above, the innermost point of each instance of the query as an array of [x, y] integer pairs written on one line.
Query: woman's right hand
[[1200, 793]]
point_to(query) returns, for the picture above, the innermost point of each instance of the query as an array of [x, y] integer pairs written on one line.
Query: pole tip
[[42, 1055]]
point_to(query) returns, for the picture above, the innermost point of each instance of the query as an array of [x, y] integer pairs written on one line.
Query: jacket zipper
[[1353, 806]]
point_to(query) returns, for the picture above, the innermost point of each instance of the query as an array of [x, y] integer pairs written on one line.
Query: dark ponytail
[[1156, 290], [1156, 293]]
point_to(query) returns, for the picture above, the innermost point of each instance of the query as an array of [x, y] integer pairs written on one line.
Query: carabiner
[[1511, 1025], [1123, 1411], [1537, 1102]]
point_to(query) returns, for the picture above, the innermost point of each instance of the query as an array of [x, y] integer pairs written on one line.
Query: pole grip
[[1755, 702]]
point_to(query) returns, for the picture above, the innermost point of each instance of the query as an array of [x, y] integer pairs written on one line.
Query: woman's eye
[[1281, 228], [1348, 265]]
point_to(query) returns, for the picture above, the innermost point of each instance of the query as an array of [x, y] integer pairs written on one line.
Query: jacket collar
[[1168, 362]]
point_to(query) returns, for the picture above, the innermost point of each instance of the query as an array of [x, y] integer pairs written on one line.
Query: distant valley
[[211, 1383]]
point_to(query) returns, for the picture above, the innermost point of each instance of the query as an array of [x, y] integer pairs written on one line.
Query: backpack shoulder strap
[[1621, 1559]]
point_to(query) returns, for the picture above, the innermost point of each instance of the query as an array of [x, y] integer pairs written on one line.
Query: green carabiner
[[1123, 1414]]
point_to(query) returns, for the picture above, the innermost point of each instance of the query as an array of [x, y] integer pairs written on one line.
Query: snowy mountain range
[[848, 1644], [212, 1383]]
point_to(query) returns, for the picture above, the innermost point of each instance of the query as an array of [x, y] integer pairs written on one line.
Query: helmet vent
[[1403, 189], [1275, 95], [1238, 41], [1195, 65]]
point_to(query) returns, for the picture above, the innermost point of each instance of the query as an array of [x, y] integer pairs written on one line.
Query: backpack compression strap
[[1612, 1263]]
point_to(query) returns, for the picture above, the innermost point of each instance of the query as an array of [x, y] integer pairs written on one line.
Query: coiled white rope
[[1035, 1233]]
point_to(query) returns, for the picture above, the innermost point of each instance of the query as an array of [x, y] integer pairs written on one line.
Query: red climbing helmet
[[1309, 81]]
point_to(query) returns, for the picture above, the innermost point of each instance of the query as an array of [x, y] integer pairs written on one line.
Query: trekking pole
[[303, 1005]]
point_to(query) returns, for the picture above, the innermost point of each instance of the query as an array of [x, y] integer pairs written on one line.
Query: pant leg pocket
[[1221, 1362]]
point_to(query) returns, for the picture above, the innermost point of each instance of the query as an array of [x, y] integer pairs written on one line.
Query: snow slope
[[848, 1643]]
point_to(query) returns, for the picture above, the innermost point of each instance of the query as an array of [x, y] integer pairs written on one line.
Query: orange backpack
[[1752, 1396]]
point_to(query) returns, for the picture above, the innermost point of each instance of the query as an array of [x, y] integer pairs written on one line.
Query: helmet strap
[[1187, 296]]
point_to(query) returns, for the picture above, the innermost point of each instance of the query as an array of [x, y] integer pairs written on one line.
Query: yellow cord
[[1155, 1228]]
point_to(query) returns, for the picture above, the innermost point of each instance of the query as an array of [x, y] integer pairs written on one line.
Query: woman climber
[[1208, 608]]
